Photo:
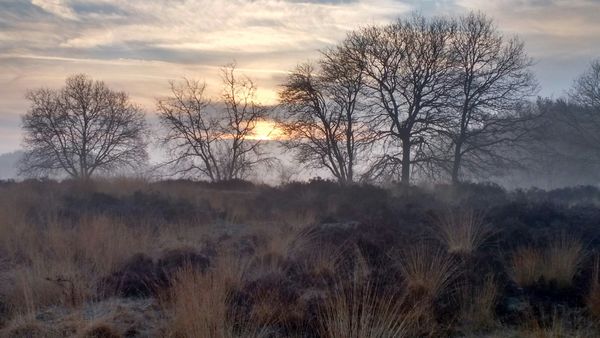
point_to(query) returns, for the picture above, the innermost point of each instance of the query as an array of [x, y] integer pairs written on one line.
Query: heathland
[[132, 258]]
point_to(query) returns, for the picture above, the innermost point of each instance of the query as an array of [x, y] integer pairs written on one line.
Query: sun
[[266, 130]]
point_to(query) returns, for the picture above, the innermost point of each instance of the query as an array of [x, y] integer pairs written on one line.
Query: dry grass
[[284, 279], [199, 304], [360, 313], [427, 271], [559, 324], [564, 257], [462, 232], [558, 262], [478, 304], [63, 265], [28, 328], [526, 265], [354, 309], [593, 296]]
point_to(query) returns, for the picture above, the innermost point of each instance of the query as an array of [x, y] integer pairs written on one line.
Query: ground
[[131, 258]]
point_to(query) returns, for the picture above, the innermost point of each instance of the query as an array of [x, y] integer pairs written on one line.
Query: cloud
[[557, 18], [241, 25], [137, 45], [56, 7], [561, 35]]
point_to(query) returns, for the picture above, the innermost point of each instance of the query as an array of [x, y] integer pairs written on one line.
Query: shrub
[[138, 277], [101, 331], [176, 259]]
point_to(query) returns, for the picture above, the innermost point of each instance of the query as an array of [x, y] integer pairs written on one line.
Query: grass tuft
[[557, 262], [462, 232], [427, 271]]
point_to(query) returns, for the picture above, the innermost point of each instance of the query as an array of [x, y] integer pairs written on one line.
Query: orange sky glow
[[266, 130], [138, 46]]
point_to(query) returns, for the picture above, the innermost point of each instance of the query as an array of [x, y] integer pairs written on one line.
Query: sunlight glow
[[266, 130]]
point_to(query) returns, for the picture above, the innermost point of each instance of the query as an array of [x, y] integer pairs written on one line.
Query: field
[[131, 258]]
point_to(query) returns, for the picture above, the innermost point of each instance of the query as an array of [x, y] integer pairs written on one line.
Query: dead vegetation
[[187, 259]]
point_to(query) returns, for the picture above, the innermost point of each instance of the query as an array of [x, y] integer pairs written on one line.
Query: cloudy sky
[[138, 45]]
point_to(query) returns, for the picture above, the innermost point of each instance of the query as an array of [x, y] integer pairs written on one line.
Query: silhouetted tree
[[213, 140], [586, 90], [493, 77], [82, 129], [322, 114], [557, 152], [407, 69], [584, 120], [581, 115]]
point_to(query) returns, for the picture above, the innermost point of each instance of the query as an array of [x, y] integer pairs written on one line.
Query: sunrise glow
[[266, 130]]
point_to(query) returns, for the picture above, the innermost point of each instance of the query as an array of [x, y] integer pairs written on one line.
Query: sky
[[139, 45]]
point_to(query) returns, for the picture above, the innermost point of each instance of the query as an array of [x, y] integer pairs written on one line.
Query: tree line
[[443, 98]]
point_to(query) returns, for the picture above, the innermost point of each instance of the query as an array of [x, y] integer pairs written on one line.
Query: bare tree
[[580, 116], [322, 114], [586, 90], [493, 77], [407, 67], [82, 129], [562, 147], [213, 139]]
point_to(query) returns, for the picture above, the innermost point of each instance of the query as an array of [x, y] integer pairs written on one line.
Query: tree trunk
[[405, 179], [456, 163]]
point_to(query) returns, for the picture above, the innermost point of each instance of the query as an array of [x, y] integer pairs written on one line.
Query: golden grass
[[199, 304], [461, 232], [63, 265], [355, 309], [360, 313], [428, 272], [558, 262]]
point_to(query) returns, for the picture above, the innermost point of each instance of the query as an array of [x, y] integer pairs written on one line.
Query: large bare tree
[[82, 129], [407, 67], [213, 139], [322, 113], [493, 77]]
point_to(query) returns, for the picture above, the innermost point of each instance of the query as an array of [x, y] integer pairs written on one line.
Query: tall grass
[[200, 304], [593, 296], [356, 308], [478, 304], [461, 231], [63, 265], [427, 271], [558, 324], [559, 261], [358, 312]]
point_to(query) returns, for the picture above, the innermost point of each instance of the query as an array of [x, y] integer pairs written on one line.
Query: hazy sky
[[138, 45]]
